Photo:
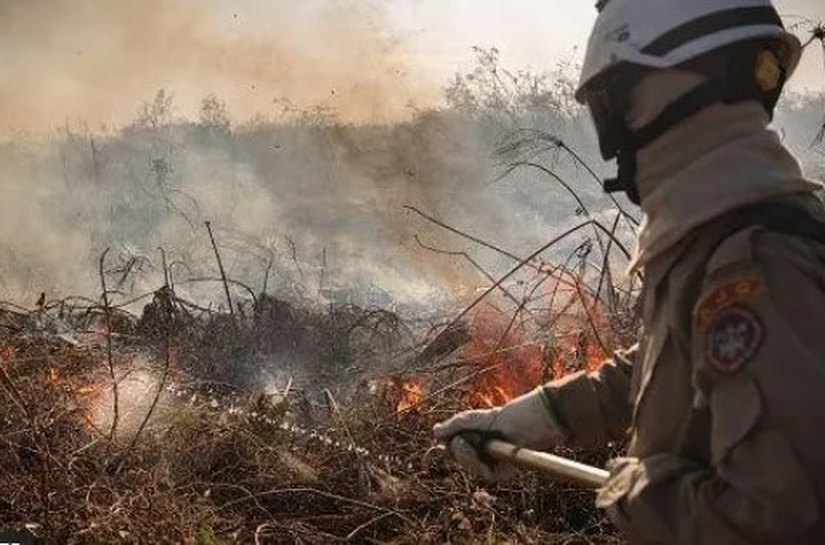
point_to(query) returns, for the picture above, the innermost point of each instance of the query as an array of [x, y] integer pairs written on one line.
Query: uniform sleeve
[[759, 361], [595, 407]]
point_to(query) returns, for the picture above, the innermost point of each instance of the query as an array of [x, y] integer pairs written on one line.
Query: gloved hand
[[528, 421], [641, 482], [623, 474]]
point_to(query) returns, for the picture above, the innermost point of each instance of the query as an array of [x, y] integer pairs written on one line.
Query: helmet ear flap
[[750, 70], [769, 77], [768, 74]]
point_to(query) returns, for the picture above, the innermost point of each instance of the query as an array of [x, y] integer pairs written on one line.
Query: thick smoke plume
[[318, 198], [87, 61], [307, 199]]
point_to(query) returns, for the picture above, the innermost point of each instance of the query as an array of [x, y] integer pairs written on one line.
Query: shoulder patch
[[734, 337], [723, 296]]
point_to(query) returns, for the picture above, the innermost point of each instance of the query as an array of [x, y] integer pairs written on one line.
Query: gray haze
[[319, 198]]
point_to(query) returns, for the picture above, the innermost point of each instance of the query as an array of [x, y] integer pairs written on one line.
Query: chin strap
[[684, 107]]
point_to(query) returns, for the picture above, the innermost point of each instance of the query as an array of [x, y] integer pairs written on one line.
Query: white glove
[[527, 421]]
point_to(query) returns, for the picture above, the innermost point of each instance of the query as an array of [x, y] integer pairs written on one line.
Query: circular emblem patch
[[734, 337]]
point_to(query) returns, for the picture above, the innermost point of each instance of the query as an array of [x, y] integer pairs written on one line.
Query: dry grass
[[160, 429], [216, 465]]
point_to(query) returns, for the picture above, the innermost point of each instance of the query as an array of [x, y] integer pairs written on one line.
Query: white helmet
[[666, 33], [740, 46]]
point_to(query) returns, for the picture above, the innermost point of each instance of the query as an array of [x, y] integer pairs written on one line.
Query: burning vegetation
[[272, 421], [237, 389], [149, 427], [257, 418]]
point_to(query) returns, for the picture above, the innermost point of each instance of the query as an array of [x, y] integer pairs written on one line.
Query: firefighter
[[721, 400]]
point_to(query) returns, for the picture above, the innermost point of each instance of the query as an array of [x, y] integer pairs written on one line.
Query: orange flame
[[403, 394], [507, 366], [411, 396], [578, 351]]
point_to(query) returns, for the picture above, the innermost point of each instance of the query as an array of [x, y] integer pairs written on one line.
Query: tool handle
[[550, 464]]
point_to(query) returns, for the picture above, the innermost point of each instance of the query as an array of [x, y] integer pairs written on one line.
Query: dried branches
[[523, 146], [215, 465], [213, 451], [576, 305], [109, 355], [220, 268]]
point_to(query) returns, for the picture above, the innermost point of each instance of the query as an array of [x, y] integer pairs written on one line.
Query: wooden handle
[[555, 466]]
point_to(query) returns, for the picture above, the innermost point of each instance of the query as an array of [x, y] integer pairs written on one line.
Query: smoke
[[90, 61], [312, 191], [322, 201], [83, 67]]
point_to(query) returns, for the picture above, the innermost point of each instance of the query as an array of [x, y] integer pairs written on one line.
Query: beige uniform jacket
[[724, 397]]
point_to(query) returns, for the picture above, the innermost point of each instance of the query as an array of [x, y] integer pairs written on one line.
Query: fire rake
[[557, 467]]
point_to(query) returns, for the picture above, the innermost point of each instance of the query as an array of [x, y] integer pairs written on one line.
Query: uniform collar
[[721, 159]]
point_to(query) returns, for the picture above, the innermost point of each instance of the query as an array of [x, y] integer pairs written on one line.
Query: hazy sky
[[539, 32], [95, 61]]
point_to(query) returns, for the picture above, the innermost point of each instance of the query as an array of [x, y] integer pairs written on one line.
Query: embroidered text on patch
[[734, 338], [725, 296]]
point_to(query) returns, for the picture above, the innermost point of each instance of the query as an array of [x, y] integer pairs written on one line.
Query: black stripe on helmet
[[710, 24]]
